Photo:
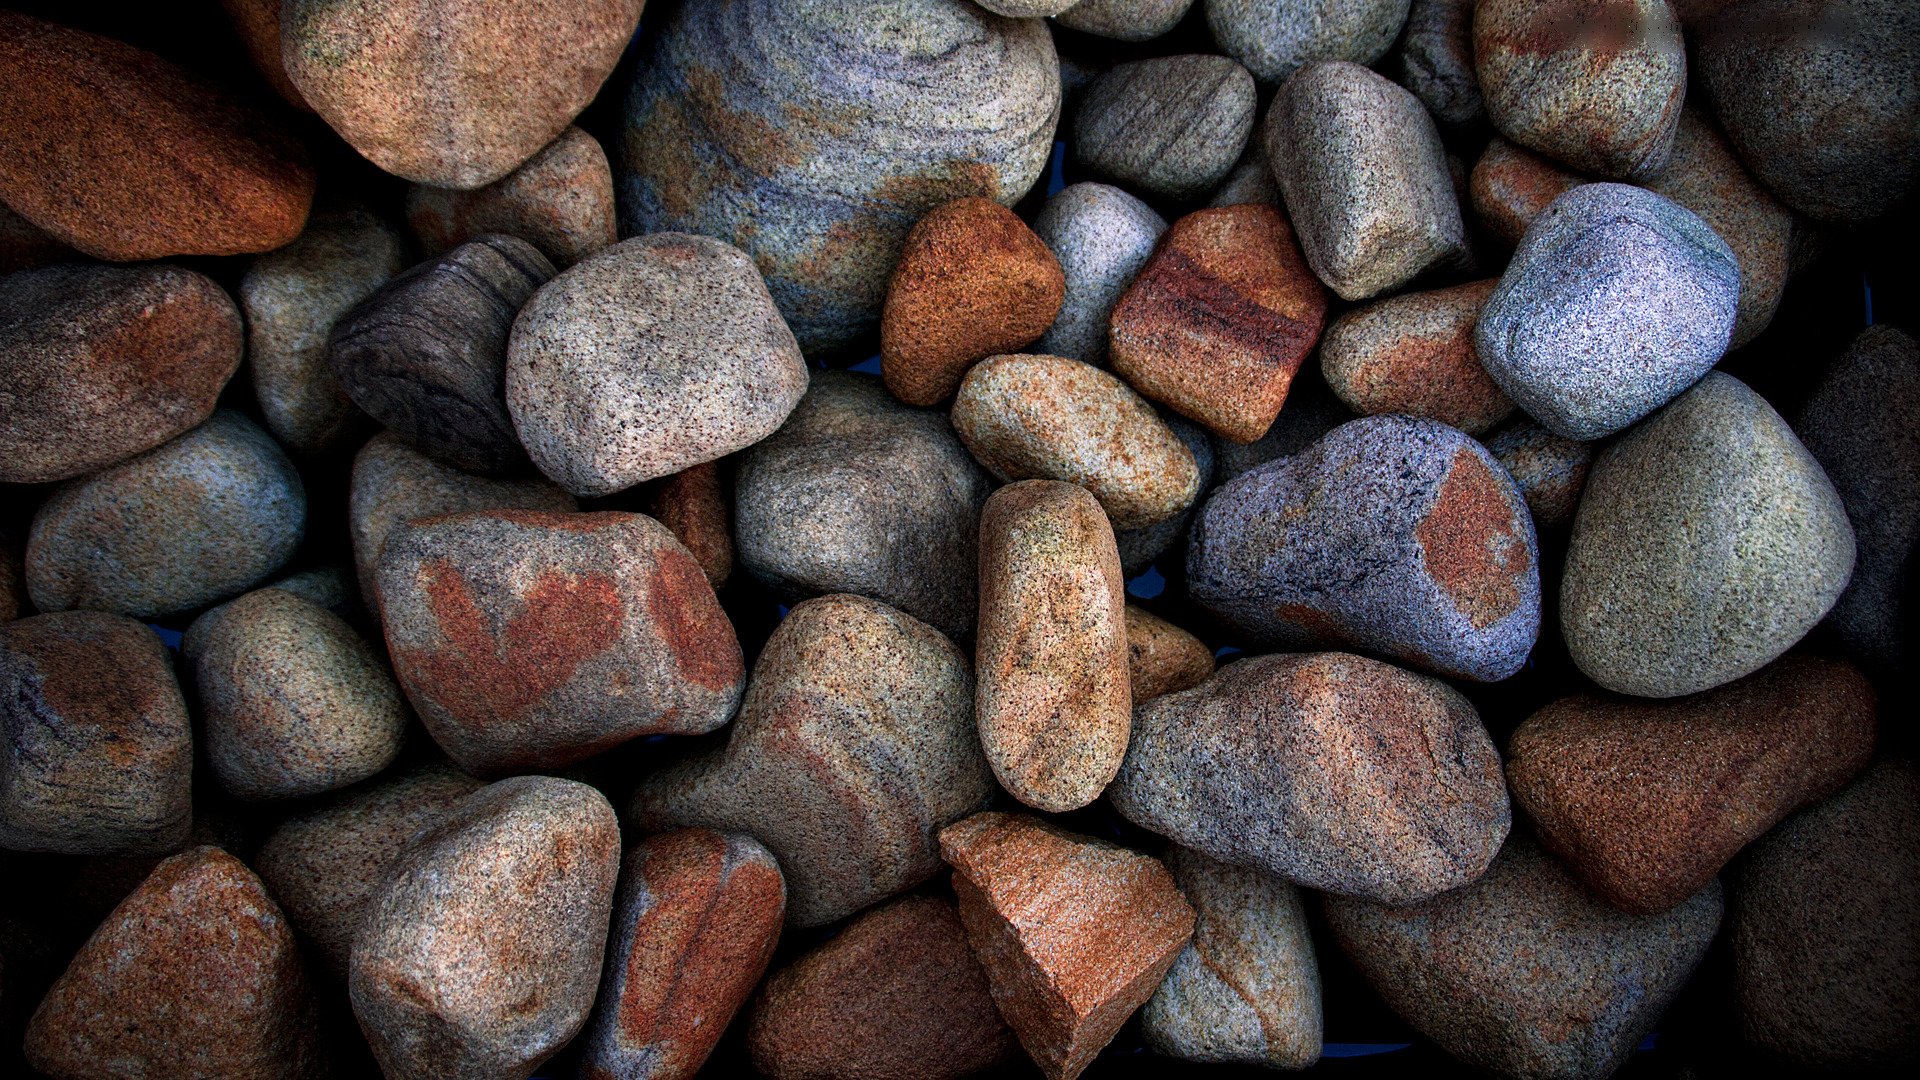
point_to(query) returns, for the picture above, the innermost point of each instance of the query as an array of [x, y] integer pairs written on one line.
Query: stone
[[1051, 658], [1365, 179], [1550, 471], [560, 201], [1524, 972], [897, 995], [1026, 9], [1251, 181], [1124, 20], [1047, 417], [1655, 611], [293, 702], [1436, 61], [426, 354], [1826, 900], [972, 281], [694, 924], [854, 746], [1414, 354], [1139, 548], [326, 862], [1169, 126], [96, 754], [1219, 320], [1101, 236], [649, 356], [1276, 40], [257, 24], [292, 298], [1312, 410], [1246, 989], [858, 493], [488, 93], [694, 506], [194, 521], [1862, 423], [1074, 933], [1511, 185], [481, 954], [99, 363], [1239, 768], [1828, 121], [1161, 657], [1617, 300], [814, 136], [127, 157], [529, 639], [1393, 534], [330, 587]]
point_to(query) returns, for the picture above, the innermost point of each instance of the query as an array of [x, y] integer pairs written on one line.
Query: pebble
[[973, 281], [1140, 548], [530, 640], [1247, 988], [1656, 611], [1220, 319], [481, 954], [1550, 471], [1365, 179], [127, 157], [195, 974], [853, 748], [99, 363], [1276, 40], [1101, 237], [694, 506], [1124, 20], [1048, 417], [1393, 534], [1251, 181], [94, 739], [652, 355], [861, 494], [1617, 300], [560, 201], [1436, 61], [694, 924], [1074, 933], [815, 135], [1414, 354], [1511, 185], [1161, 657], [1524, 972], [1240, 768], [426, 354], [1026, 9], [1169, 126], [1052, 699], [897, 995], [204, 517], [1312, 410]]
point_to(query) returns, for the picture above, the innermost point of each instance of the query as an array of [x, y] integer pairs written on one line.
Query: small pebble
[[1511, 185], [1414, 354], [1161, 657], [1550, 471], [1275, 40], [1436, 61], [1101, 236], [1169, 126], [560, 201], [1124, 20]]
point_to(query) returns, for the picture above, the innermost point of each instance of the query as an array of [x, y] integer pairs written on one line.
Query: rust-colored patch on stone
[[1511, 185], [689, 619], [1601, 28], [565, 521], [693, 505], [1470, 545]]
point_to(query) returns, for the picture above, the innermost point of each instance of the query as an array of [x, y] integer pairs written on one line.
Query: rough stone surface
[[1124, 20], [560, 201], [1312, 410], [1655, 611], [1511, 185], [1275, 40], [1549, 471], [1139, 548], [1026, 9], [1436, 61], [1169, 126], [1414, 354], [1161, 657], [853, 747], [1101, 236], [1251, 181], [694, 506]]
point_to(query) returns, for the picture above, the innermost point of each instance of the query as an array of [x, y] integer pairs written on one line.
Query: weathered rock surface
[[1414, 354], [1101, 236], [1275, 40], [1161, 657], [1436, 61], [695, 507], [1124, 20], [1169, 126], [560, 201], [1550, 471], [1511, 185], [1139, 548]]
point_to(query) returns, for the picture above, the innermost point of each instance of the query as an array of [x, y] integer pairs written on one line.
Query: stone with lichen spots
[[1549, 471], [1161, 657], [560, 201], [1414, 354], [694, 507]]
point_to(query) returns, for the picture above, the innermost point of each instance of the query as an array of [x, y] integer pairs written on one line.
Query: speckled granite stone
[[1124, 20], [1169, 126], [560, 201], [1550, 471], [696, 508], [1101, 236], [1161, 657], [1436, 61], [1140, 548], [1414, 354], [1511, 185], [1275, 40]]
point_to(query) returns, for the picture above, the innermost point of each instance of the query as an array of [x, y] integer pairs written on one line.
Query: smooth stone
[[97, 754], [1414, 354], [1047, 417], [1101, 236], [1161, 657], [1246, 990], [972, 281], [194, 521], [1436, 61], [1251, 181], [652, 355], [695, 507], [453, 93], [897, 995], [1393, 534], [694, 924], [1238, 768], [1312, 410], [854, 745], [531, 640], [814, 134], [1524, 972], [1218, 322], [858, 493], [1170, 126], [1276, 40], [560, 201], [426, 354], [99, 363], [1140, 548], [1124, 20], [1365, 179], [127, 157], [257, 24], [481, 955], [1511, 185], [1655, 611], [1550, 471]]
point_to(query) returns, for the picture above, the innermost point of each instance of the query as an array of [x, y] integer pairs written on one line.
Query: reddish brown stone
[[1510, 185], [694, 507], [560, 201], [1161, 657], [1414, 354], [257, 22]]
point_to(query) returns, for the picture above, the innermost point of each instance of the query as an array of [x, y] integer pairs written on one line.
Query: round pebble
[[1414, 354]]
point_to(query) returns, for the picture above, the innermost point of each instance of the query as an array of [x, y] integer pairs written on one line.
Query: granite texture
[[1550, 471], [1275, 40], [1436, 61], [1169, 126], [560, 201], [1101, 237], [1161, 657], [1124, 20], [1414, 354], [697, 509]]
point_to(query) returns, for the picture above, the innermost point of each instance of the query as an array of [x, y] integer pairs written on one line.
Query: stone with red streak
[[1414, 354], [560, 201]]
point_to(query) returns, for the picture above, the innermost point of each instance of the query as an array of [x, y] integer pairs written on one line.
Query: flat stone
[[560, 201], [1436, 61], [1124, 20], [97, 753], [854, 746], [1161, 657], [1101, 236], [652, 355], [480, 956], [531, 640], [1140, 548], [1655, 611], [1511, 185], [99, 363], [694, 506], [1414, 354], [1275, 40], [1168, 126], [257, 23], [1365, 179], [1238, 768], [1550, 471]]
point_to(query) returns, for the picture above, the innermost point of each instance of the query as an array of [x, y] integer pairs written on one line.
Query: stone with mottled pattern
[[1550, 471], [1414, 354], [1161, 657], [560, 201], [1436, 61], [694, 506]]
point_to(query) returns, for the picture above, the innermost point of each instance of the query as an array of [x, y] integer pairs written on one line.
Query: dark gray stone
[[1171, 126]]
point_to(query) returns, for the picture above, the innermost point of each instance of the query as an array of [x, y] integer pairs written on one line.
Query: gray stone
[[1140, 547], [1251, 181], [1312, 409], [1549, 470], [1436, 61], [1170, 126], [1124, 20], [1275, 40], [1026, 9], [1102, 237]]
